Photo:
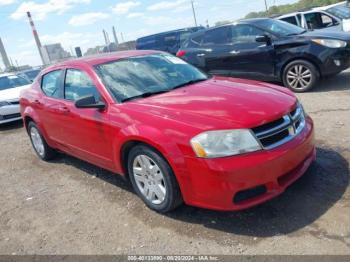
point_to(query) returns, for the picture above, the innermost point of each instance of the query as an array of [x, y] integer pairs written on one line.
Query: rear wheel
[[153, 179], [41, 148], [300, 76]]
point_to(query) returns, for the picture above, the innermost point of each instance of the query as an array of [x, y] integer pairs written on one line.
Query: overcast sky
[[80, 22]]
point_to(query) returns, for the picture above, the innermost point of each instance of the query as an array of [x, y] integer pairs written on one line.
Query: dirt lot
[[70, 207]]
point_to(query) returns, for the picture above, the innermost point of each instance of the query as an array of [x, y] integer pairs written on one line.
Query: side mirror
[[263, 39], [89, 102]]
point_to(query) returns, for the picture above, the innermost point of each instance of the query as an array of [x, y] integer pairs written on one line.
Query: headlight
[[223, 143], [4, 103], [331, 43]]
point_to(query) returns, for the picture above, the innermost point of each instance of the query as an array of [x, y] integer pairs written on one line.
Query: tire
[[153, 179], [300, 76], [41, 148]]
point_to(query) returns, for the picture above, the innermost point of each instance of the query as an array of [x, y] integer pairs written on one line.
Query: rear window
[[220, 35], [50, 84]]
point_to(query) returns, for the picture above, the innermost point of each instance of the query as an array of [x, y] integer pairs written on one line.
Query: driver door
[[86, 132]]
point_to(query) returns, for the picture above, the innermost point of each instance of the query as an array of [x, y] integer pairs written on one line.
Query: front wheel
[[300, 76], [153, 179]]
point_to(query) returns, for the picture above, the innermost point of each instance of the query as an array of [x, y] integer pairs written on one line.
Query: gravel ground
[[71, 207]]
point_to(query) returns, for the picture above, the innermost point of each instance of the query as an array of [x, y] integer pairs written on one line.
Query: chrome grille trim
[[291, 126]]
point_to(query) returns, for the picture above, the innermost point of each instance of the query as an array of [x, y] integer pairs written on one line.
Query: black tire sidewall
[[314, 75], [172, 189]]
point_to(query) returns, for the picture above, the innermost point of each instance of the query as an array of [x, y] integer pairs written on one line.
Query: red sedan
[[177, 134]]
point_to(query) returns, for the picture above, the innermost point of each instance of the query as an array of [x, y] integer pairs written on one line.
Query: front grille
[[282, 130], [6, 117]]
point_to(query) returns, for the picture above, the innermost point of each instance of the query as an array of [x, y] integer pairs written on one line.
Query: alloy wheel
[[299, 77], [38, 142], [149, 179]]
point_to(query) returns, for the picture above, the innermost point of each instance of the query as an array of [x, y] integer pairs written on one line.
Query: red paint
[[168, 122]]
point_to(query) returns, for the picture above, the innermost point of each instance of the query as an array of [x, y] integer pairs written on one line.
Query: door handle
[[234, 52], [63, 110], [200, 55], [36, 102]]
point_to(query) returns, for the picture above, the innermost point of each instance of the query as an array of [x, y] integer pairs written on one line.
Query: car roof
[[6, 74], [171, 32], [243, 21], [104, 58]]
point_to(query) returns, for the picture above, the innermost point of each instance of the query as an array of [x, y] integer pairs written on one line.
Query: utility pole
[[194, 13], [266, 7], [4, 56], [36, 38]]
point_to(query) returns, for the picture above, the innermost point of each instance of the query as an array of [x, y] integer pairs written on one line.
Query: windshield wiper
[[144, 95], [189, 83]]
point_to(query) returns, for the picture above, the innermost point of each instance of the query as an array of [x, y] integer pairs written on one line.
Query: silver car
[[10, 88], [313, 20]]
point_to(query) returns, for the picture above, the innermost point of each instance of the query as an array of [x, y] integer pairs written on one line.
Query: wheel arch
[[308, 59]]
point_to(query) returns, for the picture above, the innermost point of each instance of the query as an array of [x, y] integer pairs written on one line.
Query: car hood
[[327, 34], [12, 93], [220, 103]]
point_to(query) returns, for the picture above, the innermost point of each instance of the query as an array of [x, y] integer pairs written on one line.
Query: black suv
[[270, 50]]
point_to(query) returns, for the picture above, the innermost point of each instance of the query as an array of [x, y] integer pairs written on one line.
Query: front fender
[[155, 138]]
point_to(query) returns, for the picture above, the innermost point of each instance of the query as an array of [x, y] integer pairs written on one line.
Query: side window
[[319, 20], [327, 20], [300, 19], [245, 34], [196, 41], [291, 20], [218, 36], [78, 84], [50, 84]]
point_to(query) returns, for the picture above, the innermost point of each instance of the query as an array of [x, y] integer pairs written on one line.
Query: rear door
[[247, 57], [215, 47], [49, 105]]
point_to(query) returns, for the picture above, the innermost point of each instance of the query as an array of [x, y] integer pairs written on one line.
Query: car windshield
[[12, 81], [341, 11], [279, 28], [144, 76]]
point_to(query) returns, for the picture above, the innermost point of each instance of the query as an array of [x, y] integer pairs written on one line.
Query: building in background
[[56, 53]]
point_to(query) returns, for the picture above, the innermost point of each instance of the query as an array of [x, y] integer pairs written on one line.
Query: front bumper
[[337, 62], [9, 113], [219, 183]]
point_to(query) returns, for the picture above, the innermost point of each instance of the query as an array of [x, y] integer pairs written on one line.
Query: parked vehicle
[[29, 74], [167, 41], [176, 133], [10, 88], [269, 50], [341, 11], [313, 20]]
